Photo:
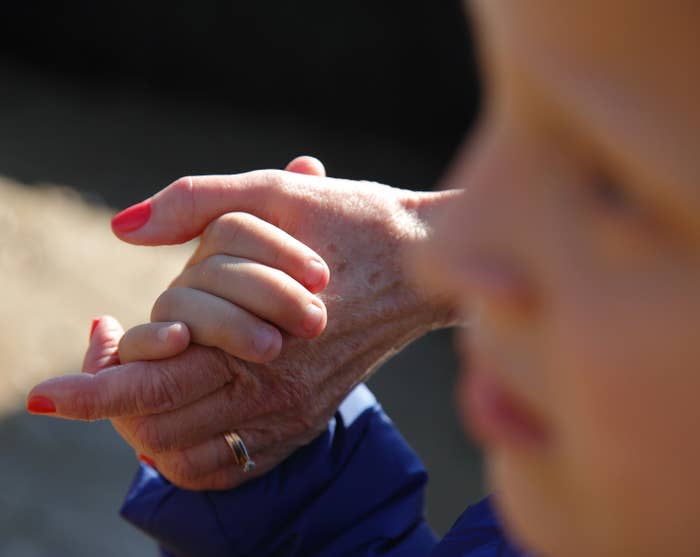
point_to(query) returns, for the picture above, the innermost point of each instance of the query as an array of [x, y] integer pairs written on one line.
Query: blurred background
[[103, 103]]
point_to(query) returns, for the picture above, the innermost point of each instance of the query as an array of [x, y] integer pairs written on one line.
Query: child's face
[[575, 252]]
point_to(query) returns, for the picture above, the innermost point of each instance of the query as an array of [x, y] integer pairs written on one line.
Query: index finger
[[137, 388], [181, 211]]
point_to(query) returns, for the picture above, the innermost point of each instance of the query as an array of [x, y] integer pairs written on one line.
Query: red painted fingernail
[[95, 322], [132, 218], [41, 405], [143, 458]]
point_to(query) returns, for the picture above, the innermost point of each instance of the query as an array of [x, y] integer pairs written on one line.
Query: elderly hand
[[360, 229]]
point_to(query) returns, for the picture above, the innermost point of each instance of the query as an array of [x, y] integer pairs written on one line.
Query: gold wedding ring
[[240, 453]]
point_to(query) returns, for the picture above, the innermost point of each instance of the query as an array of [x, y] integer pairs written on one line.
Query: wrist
[[422, 209]]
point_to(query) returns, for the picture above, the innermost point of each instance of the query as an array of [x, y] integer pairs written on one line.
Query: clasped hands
[[294, 295]]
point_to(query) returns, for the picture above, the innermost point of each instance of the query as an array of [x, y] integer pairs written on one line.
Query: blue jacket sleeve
[[357, 490], [477, 533]]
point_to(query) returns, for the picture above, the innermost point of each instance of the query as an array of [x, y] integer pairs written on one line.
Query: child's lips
[[497, 416]]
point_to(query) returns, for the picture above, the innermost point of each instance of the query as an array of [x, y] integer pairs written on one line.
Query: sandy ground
[[61, 483], [59, 267]]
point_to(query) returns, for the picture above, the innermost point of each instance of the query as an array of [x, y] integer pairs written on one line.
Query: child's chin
[[527, 506]]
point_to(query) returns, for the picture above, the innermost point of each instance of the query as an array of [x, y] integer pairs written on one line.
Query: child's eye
[[620, 206], [613, 197]]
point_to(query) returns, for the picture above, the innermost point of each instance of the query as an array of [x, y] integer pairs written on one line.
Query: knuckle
[[148, 435], [231, 395], [162, 305], [297, 394], [218, 333], [271, 178], [278, 255], [182, 185], [159, 391], [286, 290], [226, 229], [216, 230], [283, 251], [212, 265], [184, 189], [166, 303], [86, 404], [200, 276]]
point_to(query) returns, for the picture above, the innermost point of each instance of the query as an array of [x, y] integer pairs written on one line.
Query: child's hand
[[246, 279], [236, 287], [151, 341]]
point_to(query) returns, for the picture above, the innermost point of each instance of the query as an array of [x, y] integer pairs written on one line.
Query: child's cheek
[[627, 405]]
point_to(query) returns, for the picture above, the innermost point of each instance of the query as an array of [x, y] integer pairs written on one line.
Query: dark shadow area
[[121, 144], [403, 67]]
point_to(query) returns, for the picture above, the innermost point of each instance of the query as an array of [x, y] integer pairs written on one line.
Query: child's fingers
[[261, 290], [246, 236], [153, 341], [102, 352], [213, 321]]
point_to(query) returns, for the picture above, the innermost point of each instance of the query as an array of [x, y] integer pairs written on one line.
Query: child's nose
[[474, 256]]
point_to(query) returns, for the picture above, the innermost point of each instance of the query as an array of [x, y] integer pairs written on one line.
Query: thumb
[[310, 166], [103, 350]]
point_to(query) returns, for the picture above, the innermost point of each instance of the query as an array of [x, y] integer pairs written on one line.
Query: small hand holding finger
[[359, 228], [248, 237], [103, 347], [112, 388], [153, 341], [109, 345], [267, 276]]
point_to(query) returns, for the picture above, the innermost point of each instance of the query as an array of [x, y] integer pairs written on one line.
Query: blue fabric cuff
[[357, 489]]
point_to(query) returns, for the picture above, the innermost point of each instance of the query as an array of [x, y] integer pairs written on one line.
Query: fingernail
[[315, 273], [143, 458], [41, 405], [132, 218], [312, 319], [265, 339], [163, 333], [95, 323]]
